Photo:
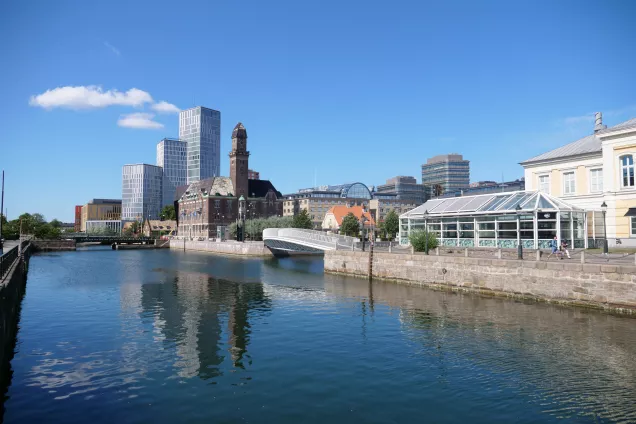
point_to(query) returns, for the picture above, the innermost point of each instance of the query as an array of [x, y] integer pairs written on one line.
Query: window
[[596, 180], [544, 183], [568, 183], [627, 171], [632, 219]]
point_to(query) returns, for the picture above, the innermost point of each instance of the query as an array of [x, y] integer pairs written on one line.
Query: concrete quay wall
[[254, 248], [53, 245], [11, 293], [610, 287]]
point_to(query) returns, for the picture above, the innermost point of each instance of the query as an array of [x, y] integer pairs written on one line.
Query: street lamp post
[[425, 214], [605, 246], [519, 246]]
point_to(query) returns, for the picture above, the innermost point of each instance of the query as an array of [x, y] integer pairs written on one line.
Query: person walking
[[564, 249], [554, 246]]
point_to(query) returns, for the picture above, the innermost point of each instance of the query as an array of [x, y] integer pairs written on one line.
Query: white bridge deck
[[296, 239]]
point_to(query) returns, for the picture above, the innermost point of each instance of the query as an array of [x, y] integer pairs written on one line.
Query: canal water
[[163, 337]]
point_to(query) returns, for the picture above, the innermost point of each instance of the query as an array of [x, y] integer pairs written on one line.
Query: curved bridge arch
[[299, 240]]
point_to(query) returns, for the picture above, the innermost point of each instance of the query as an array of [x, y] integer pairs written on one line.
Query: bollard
[[466, 252], [582, 256], [437, 251], [390, 245], [412, 250], [498, 253], [353, 246], [538, 253]]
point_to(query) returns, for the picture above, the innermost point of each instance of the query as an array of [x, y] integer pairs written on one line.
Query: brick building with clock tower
[[206, 204]]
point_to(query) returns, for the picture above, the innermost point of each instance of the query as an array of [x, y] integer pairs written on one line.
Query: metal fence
[[6, 261]]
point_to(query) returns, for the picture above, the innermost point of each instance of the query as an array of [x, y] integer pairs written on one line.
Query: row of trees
[[387, 229], [32, 224], [254, 227]]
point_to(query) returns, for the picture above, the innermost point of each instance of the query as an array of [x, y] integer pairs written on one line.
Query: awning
[[631, 212]]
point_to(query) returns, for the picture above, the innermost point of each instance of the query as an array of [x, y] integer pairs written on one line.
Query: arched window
[[627, 171]]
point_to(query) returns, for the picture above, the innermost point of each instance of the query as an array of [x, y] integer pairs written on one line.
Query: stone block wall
[[53, 245], [606, 286], [255, 248]]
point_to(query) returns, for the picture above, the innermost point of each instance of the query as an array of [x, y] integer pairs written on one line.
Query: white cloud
[[86, 97], [164, 107], [576, 120], [112, 48], [139, 120]]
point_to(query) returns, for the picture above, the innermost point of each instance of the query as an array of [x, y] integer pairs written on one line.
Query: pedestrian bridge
[[308, 241]]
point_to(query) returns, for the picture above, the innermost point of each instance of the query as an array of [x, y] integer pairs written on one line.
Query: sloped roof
[[259, 188], [585, 145], [340, 212], [211, 186], [622, 126]]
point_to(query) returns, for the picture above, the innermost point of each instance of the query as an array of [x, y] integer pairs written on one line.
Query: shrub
[[419, 240]]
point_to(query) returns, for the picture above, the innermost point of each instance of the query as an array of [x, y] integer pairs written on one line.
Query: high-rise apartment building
[[200, 128], [405, 188], [171, 156], [445, 173], [141, 192]]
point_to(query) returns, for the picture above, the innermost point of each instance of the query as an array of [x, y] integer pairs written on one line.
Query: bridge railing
[[328, 241]]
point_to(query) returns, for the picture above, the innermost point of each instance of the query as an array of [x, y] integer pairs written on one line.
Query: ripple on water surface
[[161, 336]]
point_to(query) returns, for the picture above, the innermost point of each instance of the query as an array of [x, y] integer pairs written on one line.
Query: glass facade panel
[[200, 127]]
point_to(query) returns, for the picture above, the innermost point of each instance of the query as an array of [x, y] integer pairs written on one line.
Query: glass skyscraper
[[141, 192], [200, 128], [171, 156]]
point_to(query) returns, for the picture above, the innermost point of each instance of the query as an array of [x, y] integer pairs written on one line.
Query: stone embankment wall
[[610, 287], [53, 245], [11, 293], [254, 248]]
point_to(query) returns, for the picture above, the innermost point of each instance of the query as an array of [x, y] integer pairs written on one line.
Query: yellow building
[[595, 170], [101, 210]]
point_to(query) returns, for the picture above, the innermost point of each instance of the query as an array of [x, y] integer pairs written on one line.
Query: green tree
[[350, 225], [168, 213], [302, 220], [391, 224], [419, 239], [55, 223]]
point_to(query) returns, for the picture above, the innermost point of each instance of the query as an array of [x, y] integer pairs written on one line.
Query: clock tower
[[238, 161]]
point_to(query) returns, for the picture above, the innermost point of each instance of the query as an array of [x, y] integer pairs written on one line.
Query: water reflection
[[198, 314], [573, 362]]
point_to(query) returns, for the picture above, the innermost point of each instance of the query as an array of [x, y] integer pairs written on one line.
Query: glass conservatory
[[504, 220]]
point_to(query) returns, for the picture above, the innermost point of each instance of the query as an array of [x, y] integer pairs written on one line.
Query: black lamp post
[[425, 214], [605, 246], [519, 246]]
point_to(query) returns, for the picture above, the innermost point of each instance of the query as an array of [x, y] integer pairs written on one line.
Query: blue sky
[[334, 90]]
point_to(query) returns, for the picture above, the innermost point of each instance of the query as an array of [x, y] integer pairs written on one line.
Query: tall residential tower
[[141, 192], [200, 128], [171, 156]]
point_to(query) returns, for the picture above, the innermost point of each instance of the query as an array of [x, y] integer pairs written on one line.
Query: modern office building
[[171, 156], [78, 218], [253, 175], [445, 173], [405, 188], [141, 192], [100, 210], [487, 187], [103, 227], [200, 128]]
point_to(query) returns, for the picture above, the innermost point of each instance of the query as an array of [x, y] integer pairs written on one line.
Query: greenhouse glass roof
[[491, 204]]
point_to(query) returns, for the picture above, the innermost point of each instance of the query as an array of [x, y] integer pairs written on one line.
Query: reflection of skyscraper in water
[[192, 307]]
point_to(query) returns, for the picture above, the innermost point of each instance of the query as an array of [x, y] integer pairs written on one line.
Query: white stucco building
[[586, 173]]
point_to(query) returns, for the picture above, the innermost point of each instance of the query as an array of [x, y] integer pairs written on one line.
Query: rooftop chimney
[[598, 122]]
